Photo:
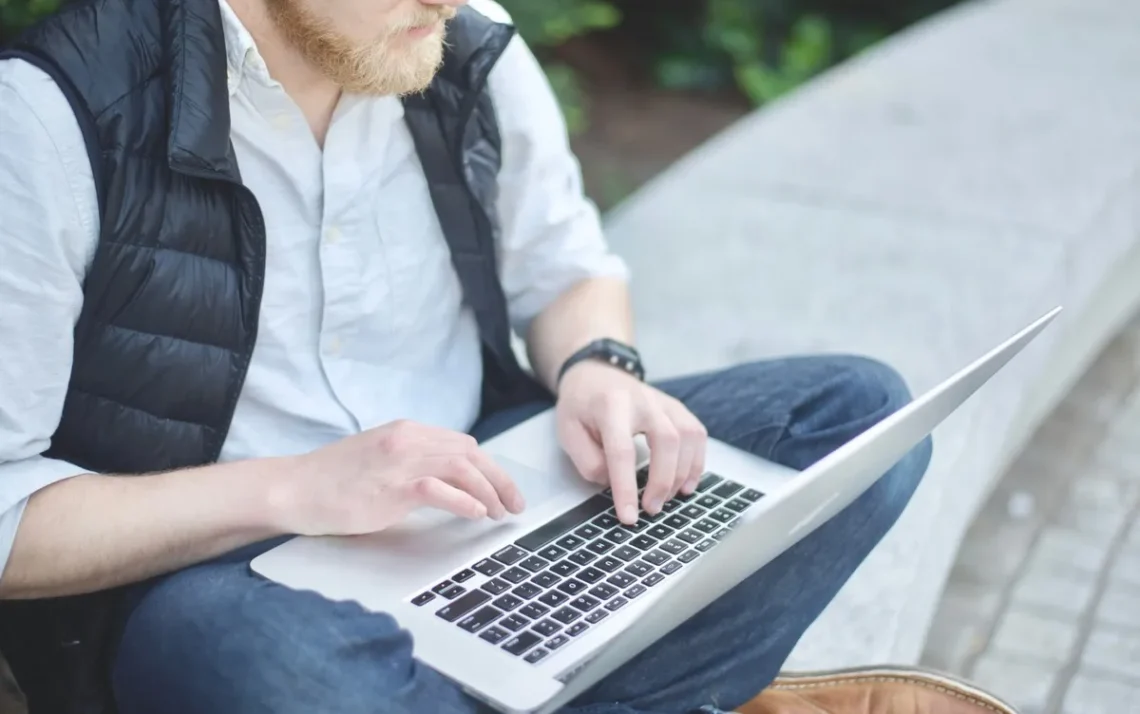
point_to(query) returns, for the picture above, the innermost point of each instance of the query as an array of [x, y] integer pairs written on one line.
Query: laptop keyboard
[[536, 595]]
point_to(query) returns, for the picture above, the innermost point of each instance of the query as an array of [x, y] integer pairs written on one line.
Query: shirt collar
[[242, 57]]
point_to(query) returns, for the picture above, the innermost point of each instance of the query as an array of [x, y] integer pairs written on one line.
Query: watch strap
[[610, 351]]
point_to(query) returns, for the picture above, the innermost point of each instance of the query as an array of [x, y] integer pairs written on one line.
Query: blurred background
[[913, 180], [643, 81]]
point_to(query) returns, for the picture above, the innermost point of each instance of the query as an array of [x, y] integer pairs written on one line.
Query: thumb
[[584, 450]]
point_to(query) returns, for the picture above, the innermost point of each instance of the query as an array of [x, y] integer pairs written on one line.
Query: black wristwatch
[[610, 351]]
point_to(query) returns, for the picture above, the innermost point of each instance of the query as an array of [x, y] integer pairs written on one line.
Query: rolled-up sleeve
[[552, 232], [48, 232]]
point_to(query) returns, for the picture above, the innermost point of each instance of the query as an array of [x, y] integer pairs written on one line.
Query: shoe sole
[[938, 681]]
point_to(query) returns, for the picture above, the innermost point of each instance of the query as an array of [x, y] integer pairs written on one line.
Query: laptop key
[[465, 604], [728, 489], [552, 552], [521, 642], [494, 635], [639, 568], [507, 602], [570, 542], [514, 623], [453, 592], [581, 558], [673, 505], [463, 575], [480, 619], [708, 482], [496, 586], [603, 591], [673, 547], [544, 580], [572, 587], [627, 553], [621, 579], [737, 505], [510, 555], [605, 521], [752, 495], [660, 531], [690, 536], [591, 575], [439, 589], [515, 575], [585, 603], [577, 629], [601, 547], [705, 545], [488, 567], [557, 641], [536, 655], [634, 591], [566, 615], [677, 521], [723, 515], [423, 599], [688, 556], [526, 591], [596, 616], [616, 604], [534, 611], [706, 526], [588, 531], [643, 542], [671, 567], [609, 564], [553, 598], [655, 557], [708, 501], [563, 568], [534, 564], [692, 512], [618, 535], [546, 628], [653, 579], [719, 535]]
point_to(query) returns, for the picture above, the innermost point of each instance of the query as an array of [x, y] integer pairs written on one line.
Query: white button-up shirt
[[361, 320]]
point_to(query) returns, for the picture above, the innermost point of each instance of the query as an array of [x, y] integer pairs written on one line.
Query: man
[[264, 257]]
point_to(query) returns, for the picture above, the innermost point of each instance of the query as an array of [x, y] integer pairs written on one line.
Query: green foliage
[[552, 22]]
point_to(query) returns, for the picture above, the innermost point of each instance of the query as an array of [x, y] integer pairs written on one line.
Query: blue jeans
[[217, 638]]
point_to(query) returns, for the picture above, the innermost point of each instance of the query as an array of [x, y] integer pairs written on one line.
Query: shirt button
[[332, 347], [332, 235]]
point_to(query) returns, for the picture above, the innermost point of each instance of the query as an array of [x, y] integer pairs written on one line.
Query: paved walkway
[[1043, 605]]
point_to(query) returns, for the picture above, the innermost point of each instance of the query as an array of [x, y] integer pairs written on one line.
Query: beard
[[392, 64]]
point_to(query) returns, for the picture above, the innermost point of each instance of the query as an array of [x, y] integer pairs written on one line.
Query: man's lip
[[424, 30]]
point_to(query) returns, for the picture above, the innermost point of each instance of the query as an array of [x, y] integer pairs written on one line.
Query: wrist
[[277, 484]]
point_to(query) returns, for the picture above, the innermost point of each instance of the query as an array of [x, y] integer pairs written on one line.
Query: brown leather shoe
[[874, 690]]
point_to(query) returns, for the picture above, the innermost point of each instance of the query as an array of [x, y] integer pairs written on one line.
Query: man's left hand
[[599, 411]]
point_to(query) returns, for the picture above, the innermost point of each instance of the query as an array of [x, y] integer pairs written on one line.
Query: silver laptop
[[527, 613]]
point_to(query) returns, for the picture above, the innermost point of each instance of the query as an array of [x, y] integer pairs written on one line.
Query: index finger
[[621, 460]]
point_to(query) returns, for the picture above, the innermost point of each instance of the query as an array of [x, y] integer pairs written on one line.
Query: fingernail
[[655, 505], [628, 514], [519, 504]]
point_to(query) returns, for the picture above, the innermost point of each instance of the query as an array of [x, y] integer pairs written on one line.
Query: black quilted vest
[[172, 298]]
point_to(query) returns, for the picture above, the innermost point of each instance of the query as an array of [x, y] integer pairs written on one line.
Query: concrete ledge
[[917, 205]]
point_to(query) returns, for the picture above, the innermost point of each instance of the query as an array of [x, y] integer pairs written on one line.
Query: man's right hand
[[368, 482]]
